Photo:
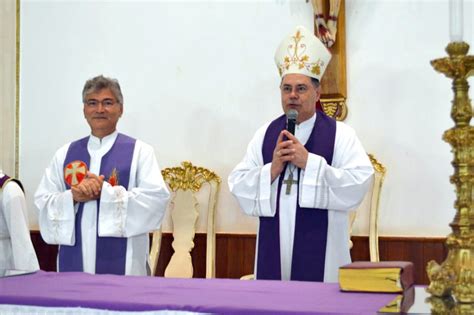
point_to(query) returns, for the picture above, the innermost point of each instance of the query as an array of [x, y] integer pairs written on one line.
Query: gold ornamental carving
[[188, 177], [452, 282], [335, 107], [448, 306], [377, 165]]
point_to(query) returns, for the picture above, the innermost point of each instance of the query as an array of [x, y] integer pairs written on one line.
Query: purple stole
[[110, 251], [6, 178], [309, 248]]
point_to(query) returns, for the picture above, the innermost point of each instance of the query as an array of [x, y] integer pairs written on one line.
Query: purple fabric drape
[[70, 256], [111, 251], [218, 296]]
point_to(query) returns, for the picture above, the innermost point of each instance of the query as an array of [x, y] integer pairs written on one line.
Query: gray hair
[[315, 82], [99, 83]]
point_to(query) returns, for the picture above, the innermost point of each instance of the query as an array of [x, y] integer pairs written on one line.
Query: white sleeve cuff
[[312, 178], [267, 190], [113, 210], [62, 218], [64, 209]]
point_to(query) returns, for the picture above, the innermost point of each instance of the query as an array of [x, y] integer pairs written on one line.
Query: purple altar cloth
[[223, 296]]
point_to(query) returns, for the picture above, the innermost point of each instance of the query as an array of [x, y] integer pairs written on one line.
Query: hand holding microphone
[[284, 151], [289, 148], [291, 116]]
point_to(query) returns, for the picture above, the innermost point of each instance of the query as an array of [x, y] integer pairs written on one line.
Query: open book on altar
[[384, 276]]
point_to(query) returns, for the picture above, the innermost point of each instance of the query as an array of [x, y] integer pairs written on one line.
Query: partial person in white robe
[[16, 248], [333, 188], [110, 209]]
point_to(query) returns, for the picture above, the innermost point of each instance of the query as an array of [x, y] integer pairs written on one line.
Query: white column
[[8, 117]]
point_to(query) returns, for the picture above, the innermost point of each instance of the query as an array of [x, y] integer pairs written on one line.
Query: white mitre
[[302, 52]]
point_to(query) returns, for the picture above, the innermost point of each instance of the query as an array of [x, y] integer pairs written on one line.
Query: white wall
[[400, 107], [198, 79]]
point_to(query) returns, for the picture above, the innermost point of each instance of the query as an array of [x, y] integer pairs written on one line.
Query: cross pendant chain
[[289, 182]]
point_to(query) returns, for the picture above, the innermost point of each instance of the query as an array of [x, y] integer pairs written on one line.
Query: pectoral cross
[[289, 182]]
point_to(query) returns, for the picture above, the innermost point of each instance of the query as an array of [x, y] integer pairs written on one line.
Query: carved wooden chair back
[[367, 213], [185, 182]]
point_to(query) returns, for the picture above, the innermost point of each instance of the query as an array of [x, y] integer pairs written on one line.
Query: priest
[[302, 184], [101, 195], [16, 249]]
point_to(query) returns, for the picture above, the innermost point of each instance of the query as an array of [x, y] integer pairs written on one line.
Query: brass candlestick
[[455, 276]]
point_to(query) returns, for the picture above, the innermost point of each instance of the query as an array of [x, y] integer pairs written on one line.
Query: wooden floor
[[235, 253]]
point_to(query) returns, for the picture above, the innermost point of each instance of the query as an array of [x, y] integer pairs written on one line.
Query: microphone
[[291, 116]]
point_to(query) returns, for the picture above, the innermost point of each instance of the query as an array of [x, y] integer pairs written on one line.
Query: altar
[[76, 291]]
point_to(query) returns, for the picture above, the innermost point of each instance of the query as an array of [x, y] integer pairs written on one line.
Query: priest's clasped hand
[[288, 149], [89, 188]]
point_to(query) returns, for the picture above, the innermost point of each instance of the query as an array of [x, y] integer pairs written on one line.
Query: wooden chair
[[368, 211], [185, 182]]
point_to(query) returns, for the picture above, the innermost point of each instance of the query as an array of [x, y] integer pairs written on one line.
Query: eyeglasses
[[108, 102], [299, 89]]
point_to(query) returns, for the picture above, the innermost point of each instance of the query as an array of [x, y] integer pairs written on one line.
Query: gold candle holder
[[455, 276]]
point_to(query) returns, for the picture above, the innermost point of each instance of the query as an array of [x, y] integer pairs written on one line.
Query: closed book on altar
[[383, 276]]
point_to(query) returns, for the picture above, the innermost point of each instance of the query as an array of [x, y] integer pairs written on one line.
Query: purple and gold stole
[[309, 247], [110, 251]]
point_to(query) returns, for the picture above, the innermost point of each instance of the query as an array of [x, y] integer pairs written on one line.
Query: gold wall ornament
[[335, 107], [188, 177], [334, 81], [455, 276]]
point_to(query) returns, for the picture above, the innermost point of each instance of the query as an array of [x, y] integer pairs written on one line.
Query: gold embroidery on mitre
[[113, 178], [297, 57], [316, 69]]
